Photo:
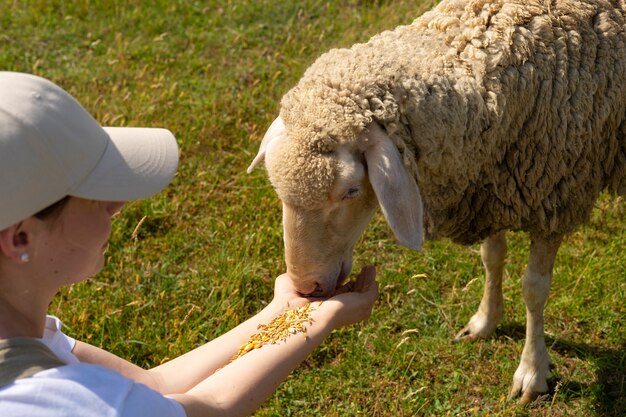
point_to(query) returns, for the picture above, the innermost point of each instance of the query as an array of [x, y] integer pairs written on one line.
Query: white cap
[[50, 147]]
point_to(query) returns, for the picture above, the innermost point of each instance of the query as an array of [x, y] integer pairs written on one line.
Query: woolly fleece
[[509, 114]]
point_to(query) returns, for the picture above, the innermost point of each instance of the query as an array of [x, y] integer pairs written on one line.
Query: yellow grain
[[278, 329]]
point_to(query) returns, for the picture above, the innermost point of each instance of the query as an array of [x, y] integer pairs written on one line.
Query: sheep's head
[[330, 190]]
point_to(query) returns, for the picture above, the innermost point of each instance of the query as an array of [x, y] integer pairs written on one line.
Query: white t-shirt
[[81, 389]]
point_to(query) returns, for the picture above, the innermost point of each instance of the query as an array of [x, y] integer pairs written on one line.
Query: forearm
[[186, 371], [243, 385], [87, 353]]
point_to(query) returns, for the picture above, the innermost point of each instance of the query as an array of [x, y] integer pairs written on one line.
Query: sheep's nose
[[318, 291]]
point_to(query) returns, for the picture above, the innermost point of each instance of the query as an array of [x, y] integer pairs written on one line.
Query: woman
[[62, 178]]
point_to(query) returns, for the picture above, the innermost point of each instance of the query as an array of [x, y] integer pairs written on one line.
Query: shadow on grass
[[609, 389]]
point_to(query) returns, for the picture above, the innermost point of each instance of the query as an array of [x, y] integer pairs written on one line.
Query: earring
[[24, 257]]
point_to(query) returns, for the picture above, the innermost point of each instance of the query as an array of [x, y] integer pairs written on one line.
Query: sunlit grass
[[190, 263]]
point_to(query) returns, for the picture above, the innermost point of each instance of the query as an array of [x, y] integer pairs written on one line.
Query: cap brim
[[137, 163]]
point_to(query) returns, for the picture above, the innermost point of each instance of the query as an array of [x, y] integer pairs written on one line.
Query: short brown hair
[[53, 209]]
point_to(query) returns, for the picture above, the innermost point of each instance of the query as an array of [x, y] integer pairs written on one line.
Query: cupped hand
[[351, 302], [286, 294], [354, 300]]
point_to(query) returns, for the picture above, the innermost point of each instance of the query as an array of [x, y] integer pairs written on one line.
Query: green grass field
[[195, 260]]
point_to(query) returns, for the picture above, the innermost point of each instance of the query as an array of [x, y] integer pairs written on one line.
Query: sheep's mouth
[[324, 291], [343, 274], [318, 292]]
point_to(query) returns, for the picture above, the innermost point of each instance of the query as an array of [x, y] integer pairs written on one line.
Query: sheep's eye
[[352, 192]]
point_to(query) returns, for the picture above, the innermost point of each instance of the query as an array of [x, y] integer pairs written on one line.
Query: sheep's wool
[[509, 114]]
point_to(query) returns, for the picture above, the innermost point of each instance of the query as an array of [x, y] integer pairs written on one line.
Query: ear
[[397, 192], [13, 242], [275, 131]]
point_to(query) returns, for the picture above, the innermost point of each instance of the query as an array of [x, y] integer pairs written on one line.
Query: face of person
[[71, 247]]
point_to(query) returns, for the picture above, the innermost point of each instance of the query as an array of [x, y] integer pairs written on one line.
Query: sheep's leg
[[490, 312], [531, 377]]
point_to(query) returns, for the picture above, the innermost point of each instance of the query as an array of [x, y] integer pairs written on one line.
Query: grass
[[195, 260]]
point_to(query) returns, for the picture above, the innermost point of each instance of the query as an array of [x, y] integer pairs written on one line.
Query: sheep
[[478, 118]]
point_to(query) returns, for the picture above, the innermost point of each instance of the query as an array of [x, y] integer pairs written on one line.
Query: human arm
[[242, 386], [181, 374]]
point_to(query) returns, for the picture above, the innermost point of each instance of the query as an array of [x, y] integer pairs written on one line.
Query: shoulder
[[85, 390]]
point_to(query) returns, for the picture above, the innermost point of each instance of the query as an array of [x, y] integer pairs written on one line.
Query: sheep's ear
[[276, 129], [397, 192]]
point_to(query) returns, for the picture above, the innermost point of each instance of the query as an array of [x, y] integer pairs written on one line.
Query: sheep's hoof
[[531, 378], [527, 397], [480, 326], [465, 335]]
